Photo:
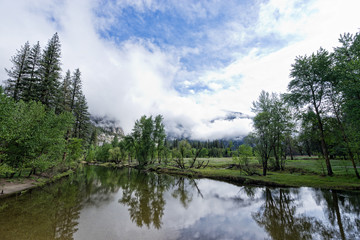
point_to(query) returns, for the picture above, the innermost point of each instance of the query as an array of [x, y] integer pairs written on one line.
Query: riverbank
[[300, 172], [273, 179], [10, 187]]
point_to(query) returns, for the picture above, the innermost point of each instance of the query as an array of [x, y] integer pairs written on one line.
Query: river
[[105, 203]]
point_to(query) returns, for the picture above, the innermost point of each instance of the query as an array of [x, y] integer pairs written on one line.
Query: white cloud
[[136, 77], [257, 71]]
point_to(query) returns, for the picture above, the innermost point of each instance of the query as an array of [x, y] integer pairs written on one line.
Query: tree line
[[149, 144], [45, 122], [44, 117], [320, 113]]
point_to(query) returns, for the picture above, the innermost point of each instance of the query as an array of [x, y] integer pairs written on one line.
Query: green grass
[[302, 171], [315, 165]]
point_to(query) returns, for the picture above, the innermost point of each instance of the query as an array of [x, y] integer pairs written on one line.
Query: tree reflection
[[144, 195], [340, 211], [51, 213], [278, 217], [100, 184], [182, 192]]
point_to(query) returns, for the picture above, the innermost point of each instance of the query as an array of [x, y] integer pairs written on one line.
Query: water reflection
[[144, 196], [278, 216], [103, 203], [49, 214], [342, 213]]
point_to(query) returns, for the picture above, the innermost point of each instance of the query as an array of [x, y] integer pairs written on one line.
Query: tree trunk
[[338, 215], [291, 150], [323, 143], [322, 135], [30, 173], [276, 155], [264, 163]]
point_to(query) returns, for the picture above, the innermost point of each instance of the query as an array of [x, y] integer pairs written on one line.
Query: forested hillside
[[44, 115]]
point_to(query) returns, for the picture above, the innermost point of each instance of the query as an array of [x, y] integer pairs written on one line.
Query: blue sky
[[200, 26], [192, 61], [170, 26]]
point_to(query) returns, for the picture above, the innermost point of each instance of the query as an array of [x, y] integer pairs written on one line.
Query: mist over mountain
[[107, 128], [176, 130], [233, 115]]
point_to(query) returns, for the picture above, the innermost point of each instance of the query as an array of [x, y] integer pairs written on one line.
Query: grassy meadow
[[302, 171]]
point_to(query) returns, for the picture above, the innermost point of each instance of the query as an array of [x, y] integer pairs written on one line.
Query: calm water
[[102, 203]]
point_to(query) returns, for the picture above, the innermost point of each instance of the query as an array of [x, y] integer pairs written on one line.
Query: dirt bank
[[10, 187]]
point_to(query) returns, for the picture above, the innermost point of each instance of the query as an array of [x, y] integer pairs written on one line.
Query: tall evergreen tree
[[17, 73], [50, 73], [78, 105], [82, 116], [65, 93], [32, 77], [75, 88]]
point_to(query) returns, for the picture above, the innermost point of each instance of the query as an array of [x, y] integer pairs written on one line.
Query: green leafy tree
[[7, 105], [308, 137], [115, 154], [347, 59], [344, 92], [245, 153], [91, 153], [272, 124], [181, 152], [129, 145], [74, 147], [102, 152], [264, 139], [281, 126], [31, 136], [159, 136], [143, 139], [307, 89]]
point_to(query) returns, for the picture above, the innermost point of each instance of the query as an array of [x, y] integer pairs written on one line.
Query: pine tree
[[78, 106], [32, 77], [50, 72], [14, 84], [94, 136], [75, 88], [82, 116], [65, 94]]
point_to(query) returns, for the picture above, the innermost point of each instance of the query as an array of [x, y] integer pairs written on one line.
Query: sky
[[200, 64]]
